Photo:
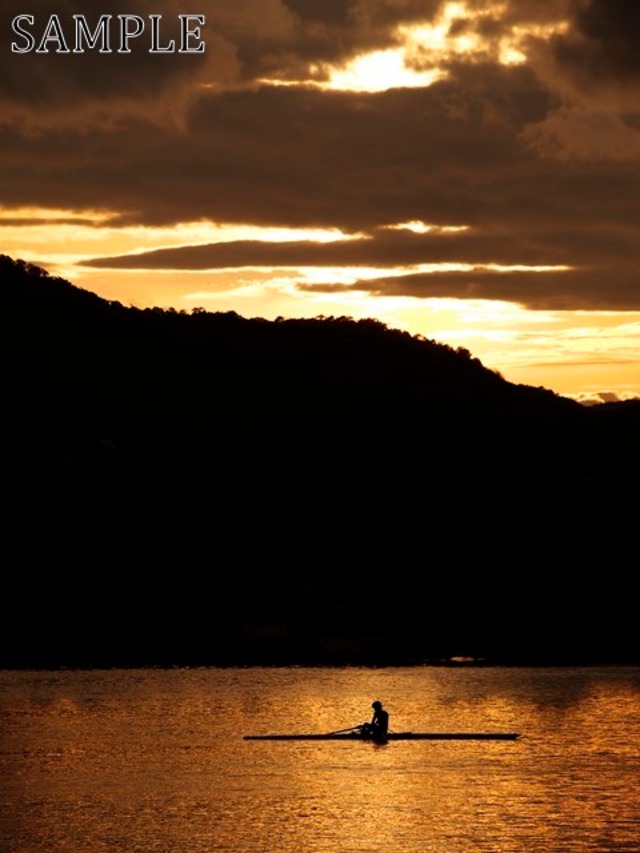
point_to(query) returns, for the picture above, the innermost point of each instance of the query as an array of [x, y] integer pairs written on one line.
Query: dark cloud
[[604, 289], [390, 248], [42, 89], [593, 68], [336, 13], [295, 157], [603, 42], [536, 11], [397, 248], [377, 18]]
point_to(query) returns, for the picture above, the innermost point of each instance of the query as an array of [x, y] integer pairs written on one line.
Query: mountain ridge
[[338, 350], [177, 482]]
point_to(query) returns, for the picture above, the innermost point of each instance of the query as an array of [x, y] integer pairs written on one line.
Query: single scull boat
[[356, 735]]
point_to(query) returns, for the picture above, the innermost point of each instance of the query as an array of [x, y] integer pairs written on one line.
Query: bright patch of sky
[[424, 51]]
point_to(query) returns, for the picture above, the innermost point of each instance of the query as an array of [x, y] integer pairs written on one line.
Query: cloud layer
[[530, 140]]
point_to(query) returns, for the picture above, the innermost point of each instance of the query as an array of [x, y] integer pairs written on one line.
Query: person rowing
[[378, 728]]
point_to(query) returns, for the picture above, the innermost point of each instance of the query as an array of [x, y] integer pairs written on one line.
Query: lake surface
[[151, 760]]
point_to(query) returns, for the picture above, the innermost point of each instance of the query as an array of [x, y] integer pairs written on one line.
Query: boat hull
[[393, 736]]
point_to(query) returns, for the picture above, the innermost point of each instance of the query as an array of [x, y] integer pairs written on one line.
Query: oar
[[344, 731]]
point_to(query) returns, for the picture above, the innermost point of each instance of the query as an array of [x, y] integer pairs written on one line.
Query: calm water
[[155, 761]]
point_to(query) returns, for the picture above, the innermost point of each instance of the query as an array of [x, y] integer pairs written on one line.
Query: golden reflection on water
[[155, 761]]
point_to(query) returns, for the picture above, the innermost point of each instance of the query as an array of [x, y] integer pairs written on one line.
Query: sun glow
[[419, 227], [379, 71], [455, 35], [437, 38], [423, 52], [426, 49]]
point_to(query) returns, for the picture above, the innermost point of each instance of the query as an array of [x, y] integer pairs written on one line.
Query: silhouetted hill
[[197, 488], [160, 370]]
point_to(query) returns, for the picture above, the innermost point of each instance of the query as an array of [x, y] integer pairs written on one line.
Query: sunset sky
[[467, 171]]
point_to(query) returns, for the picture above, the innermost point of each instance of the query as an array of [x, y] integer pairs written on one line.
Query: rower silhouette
[[378, 728]]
